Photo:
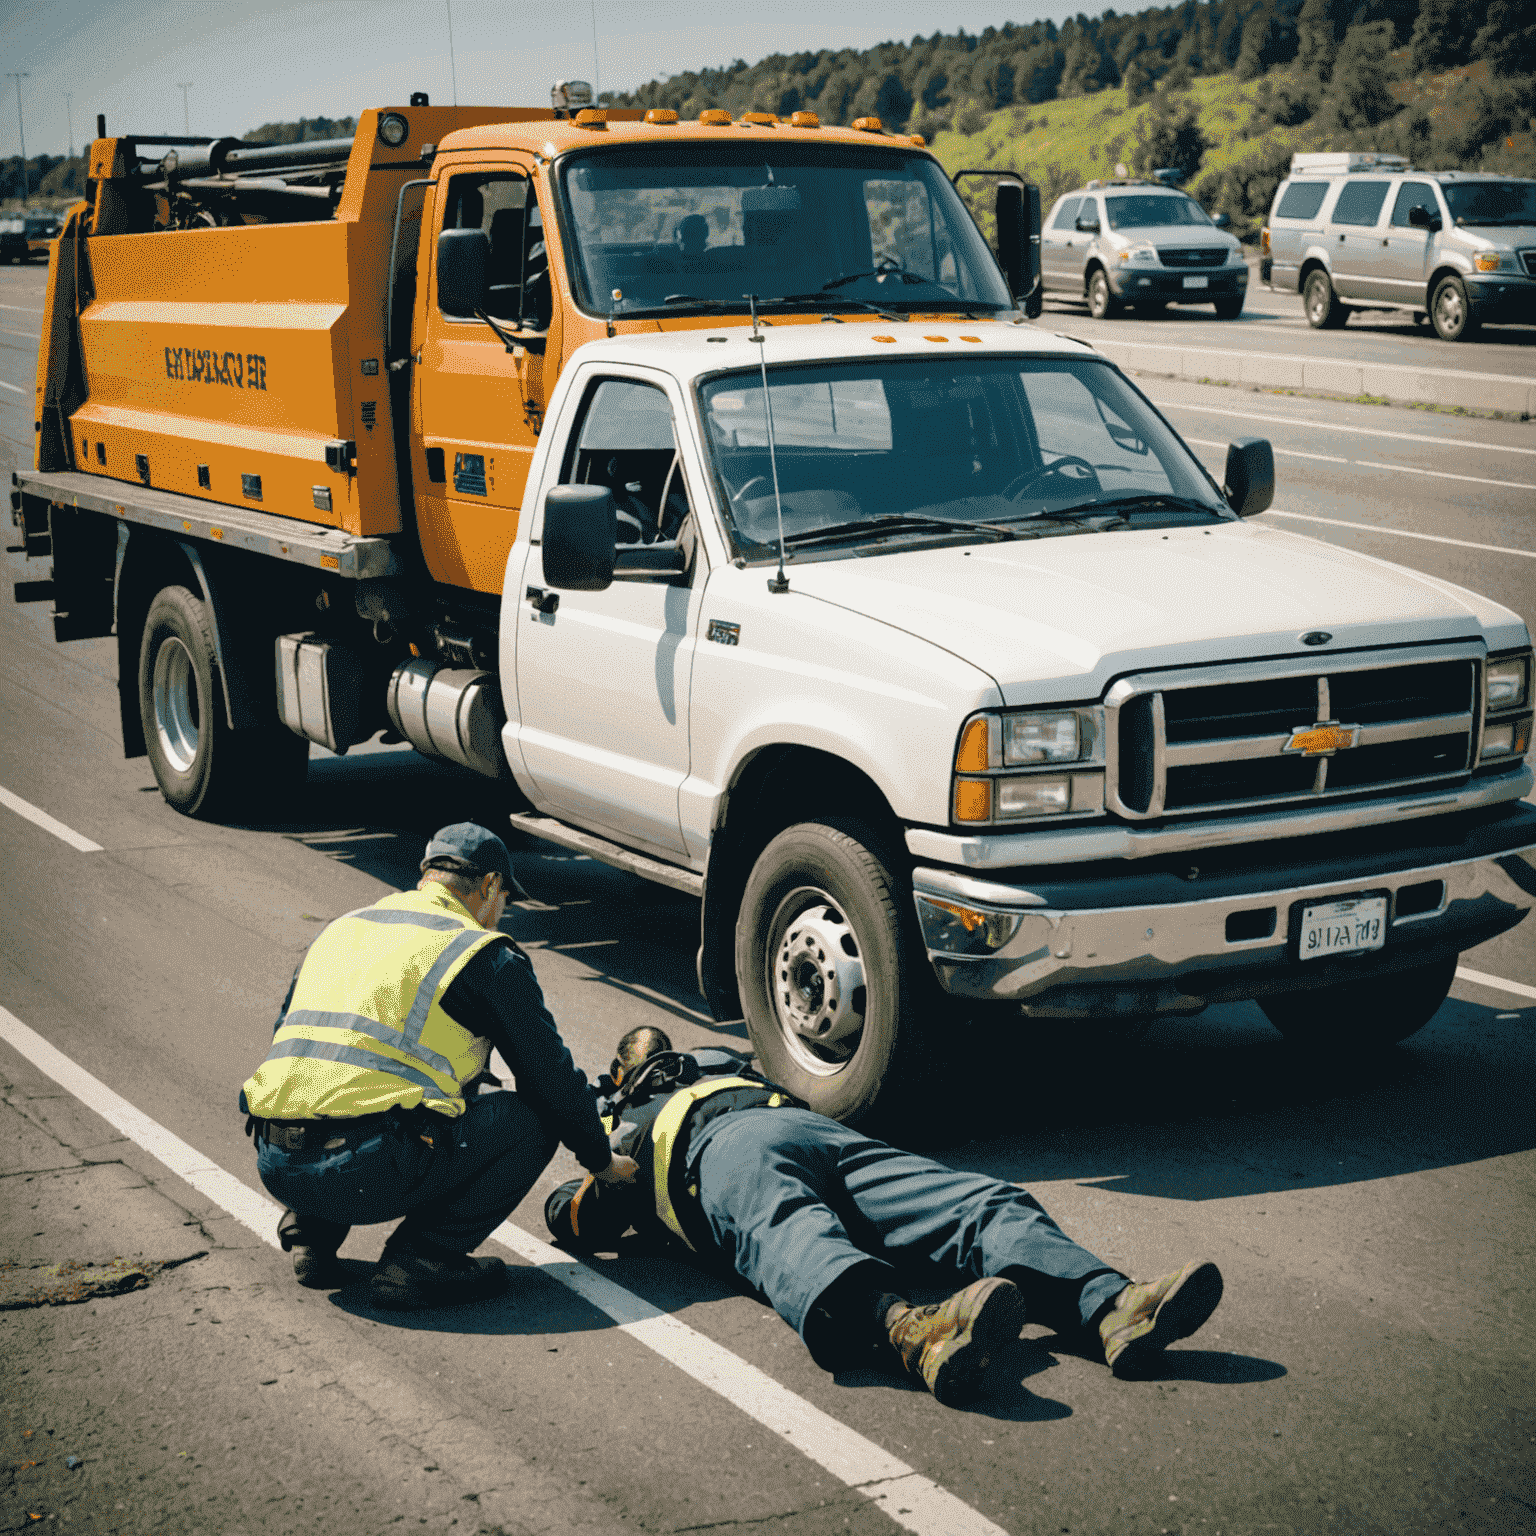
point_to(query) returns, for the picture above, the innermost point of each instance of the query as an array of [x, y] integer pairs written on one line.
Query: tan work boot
[[1147, 1318], [950, 1344]]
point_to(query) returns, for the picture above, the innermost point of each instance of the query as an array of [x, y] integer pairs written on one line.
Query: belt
[[323, 1135]]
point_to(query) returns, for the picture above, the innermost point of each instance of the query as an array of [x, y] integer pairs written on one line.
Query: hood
[[1498, 237], [1185, 237], [1081, 610]]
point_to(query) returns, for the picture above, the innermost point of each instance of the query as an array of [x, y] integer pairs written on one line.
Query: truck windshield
[[1491, 202], [1149, 210], [701, 224], [872, 449]]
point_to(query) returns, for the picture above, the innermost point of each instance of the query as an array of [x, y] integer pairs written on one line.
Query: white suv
[[1140, 243]]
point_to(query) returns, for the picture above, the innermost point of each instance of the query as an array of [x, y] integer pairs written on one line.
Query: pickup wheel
[[1324, 312], [1449, 311], [830, 970], [1373, 1012], [1102, 303], [203, 768]]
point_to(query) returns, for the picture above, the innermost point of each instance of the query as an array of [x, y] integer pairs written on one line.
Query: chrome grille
[[1224, 738], [1192, 256]]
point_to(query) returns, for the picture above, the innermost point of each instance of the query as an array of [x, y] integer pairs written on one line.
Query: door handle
[[544, 602], [1386, 242], [1341, 239]]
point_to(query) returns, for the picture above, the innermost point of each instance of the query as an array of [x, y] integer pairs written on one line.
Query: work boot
[[409, 1278], [313, 1243], [1145, 1319], [951, 1343]]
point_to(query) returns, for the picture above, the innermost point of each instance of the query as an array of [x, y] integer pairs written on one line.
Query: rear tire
[[833, 976], [1324, 312], [1371, 1013], [203, 768]]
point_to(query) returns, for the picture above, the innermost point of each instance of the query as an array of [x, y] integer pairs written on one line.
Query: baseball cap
[[476, 846]]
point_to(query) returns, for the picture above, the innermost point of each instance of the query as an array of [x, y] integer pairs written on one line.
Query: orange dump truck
[[291, 389]]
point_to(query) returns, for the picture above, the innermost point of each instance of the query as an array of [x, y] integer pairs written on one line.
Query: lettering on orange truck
[[202, 365]]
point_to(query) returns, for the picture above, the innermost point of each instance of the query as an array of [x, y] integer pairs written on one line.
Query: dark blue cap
[[477, 847]]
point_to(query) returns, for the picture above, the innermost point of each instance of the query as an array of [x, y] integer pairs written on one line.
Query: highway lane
[[1274, 322], [1371, 1361]]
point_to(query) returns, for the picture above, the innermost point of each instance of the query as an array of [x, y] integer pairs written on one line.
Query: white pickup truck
[[951, 678]]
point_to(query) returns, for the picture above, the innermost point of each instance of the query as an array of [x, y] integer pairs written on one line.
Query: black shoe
[[313, 1242], [317, 1269], [407, 1279]]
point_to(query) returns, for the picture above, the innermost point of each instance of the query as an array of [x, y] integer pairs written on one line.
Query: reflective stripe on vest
[[666, 1127], [365, 1029]]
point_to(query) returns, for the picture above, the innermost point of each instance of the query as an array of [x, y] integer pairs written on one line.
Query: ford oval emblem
[[1316, 637]]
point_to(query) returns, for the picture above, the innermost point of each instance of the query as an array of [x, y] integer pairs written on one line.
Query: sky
[[248, 62]]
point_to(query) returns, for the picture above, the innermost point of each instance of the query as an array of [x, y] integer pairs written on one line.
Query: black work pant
[[452, 1193]]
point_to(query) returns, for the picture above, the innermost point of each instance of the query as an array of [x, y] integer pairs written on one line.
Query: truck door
[[478, 408], [1059, 244], [603, 677], [1405, 257], [1353, 242]]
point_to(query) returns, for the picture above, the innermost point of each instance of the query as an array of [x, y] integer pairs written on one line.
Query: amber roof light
[[715, 115], [869, 125], [762, 119], [591, 117], [804, 120], [661, 115]]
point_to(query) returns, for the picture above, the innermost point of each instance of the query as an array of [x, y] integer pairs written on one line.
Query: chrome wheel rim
[[1317, 300], [1448, 310], [1098, 296], [817, 982], [177, 715]]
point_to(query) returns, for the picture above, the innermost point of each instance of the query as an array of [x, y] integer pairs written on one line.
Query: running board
[[553, 831]]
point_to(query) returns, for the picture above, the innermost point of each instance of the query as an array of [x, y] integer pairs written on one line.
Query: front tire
[[1102, 303], [1371, 1013], [1450, 312], [1324, 312], [831, 972], [204, 769]]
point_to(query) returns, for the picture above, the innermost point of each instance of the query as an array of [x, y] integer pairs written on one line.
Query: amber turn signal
[[973, 800], [975, 752]]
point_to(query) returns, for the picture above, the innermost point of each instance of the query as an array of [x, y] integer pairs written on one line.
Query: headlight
[[1506, 708], [997, 752], [1143, 255], [393, 129], [1487, 261], [1507, 682]]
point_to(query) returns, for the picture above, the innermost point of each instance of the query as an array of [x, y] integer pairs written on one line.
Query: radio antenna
[[778, 582]]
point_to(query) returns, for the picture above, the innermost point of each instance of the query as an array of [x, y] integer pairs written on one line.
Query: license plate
[[1343, 927], [1197, 282]]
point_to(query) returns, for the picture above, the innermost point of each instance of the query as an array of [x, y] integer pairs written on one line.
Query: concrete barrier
[[1335, 376]]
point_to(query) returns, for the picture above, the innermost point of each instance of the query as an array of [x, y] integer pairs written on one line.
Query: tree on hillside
[[1359, 96], [1507, 39], [1442, 35], [1138, 81], [1166, 137], [1314, 32], [1267, 41]]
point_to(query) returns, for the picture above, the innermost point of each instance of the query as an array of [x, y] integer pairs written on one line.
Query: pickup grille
[[1192, 256], [1218, 741]]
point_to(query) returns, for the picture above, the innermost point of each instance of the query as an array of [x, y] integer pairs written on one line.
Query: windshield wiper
[[1123, 507], [894, 522]]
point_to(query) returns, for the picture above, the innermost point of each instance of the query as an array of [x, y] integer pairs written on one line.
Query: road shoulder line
[[1483, 979], [1403, 533], [41, 818], [907, 1497]]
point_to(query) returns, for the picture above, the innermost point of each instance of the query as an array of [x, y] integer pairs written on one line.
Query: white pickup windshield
[[882, 449], [679, 227]]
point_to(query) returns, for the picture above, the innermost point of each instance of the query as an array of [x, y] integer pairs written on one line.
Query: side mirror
[[1221, 221], [1018, 241], [1422, 218], [463, 259], [580, 525], [1088, 226], [1250, 476]]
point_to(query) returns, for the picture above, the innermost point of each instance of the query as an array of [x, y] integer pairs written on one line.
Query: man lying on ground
[[822, 1219]]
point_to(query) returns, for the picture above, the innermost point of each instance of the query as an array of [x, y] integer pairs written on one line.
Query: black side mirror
[[1088, 226], [1018, 241], [463, 260], [1250, 475], [1423, 218], [580, 526], [1221, 221]]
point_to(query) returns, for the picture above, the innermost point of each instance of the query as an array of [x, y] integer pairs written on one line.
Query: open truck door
[[1011, 223]]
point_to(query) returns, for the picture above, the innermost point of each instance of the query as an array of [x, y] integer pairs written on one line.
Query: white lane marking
[[1290, 453], [909, 1498], [21, 309], [18, 389], [5, 330], [1403, 533], [186, 1162], [1440, 474], [905, 1495], [1334, 426], [47, 823], [1483, 979]]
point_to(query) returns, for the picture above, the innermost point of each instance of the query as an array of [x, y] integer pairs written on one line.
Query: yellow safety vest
[[668, 1125], [365, 1029]]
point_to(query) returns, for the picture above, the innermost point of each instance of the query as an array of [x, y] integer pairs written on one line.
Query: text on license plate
[[1197, 282], [1343, 927]]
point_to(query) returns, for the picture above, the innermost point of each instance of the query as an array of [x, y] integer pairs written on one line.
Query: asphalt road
[[1274, 322], [1369, 1370]]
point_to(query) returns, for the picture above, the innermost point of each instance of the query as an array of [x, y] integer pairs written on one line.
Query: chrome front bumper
[[1000, 942]]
